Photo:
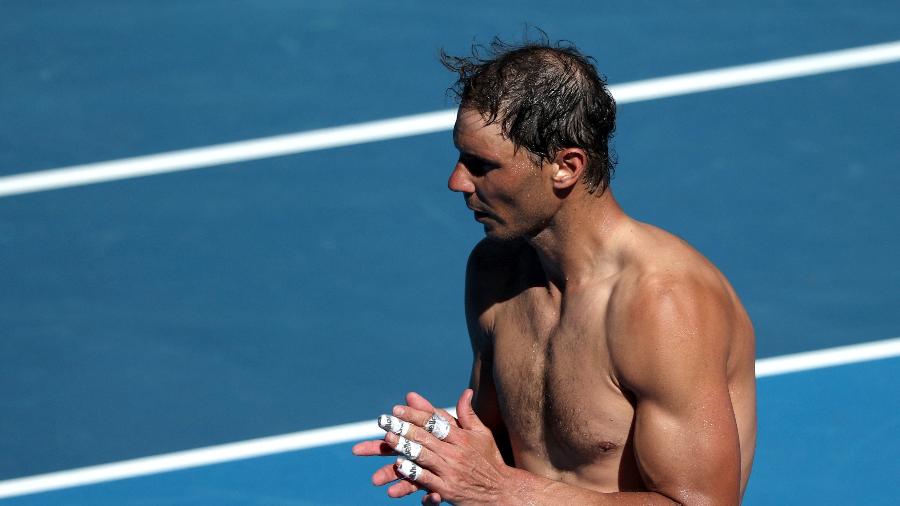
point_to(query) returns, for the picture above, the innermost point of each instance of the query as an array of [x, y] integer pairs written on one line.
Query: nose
[[461, 180]]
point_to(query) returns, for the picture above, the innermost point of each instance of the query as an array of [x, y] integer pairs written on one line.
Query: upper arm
[[670, 352], [481, 287]]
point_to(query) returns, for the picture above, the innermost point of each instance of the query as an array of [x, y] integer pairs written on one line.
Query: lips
[[478, 213]]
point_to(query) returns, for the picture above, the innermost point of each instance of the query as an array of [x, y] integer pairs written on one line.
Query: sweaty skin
[[608, 354], [613, 363]]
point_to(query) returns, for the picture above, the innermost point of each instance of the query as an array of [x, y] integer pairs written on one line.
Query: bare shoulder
[[493, 269], [671, 307], [493, 273], [490, 257]]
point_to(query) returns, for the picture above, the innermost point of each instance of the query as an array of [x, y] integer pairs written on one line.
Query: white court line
[[829, 357], [368, 429], [406, 126]]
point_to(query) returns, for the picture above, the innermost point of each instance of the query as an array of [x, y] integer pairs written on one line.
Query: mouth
[[479, 215]]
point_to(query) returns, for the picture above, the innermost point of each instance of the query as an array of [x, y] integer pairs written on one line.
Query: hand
[[465, 468], [388, 473]]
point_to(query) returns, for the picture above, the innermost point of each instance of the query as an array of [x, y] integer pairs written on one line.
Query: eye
[[477, 166], [477, 169]]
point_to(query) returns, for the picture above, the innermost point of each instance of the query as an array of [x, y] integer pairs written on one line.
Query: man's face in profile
[[501, 184]]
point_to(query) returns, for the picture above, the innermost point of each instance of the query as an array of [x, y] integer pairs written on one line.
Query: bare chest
[[555, 387]]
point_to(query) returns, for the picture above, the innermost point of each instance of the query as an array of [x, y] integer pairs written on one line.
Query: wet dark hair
[[544, 96]]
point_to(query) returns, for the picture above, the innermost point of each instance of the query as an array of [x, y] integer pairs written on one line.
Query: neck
[[578, 244]]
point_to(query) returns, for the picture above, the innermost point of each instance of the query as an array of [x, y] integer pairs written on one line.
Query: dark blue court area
[[165, 313]]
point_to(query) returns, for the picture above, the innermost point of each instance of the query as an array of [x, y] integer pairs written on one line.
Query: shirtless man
[[613, 363]]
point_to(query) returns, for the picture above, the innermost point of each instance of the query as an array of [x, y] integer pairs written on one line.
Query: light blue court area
[[827, 436], [269, 296]]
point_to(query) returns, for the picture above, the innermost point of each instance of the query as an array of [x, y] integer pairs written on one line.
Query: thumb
[[464, 412]]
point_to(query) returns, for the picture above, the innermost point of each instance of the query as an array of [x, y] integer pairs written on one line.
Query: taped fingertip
[[393, 424]]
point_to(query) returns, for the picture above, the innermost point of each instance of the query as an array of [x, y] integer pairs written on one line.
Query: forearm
[[524, 487]]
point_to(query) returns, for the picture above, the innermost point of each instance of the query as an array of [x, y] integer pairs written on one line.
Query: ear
[[568, 166]]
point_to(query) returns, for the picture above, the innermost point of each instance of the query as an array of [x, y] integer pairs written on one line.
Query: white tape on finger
[[407, 447], [393, 424], [408, 469], [438, 426]]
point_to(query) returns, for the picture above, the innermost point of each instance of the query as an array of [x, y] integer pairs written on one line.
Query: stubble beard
[[498, 234]]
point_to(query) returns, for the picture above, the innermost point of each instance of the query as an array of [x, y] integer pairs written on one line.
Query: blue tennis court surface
[[803, 456], [153, 315]]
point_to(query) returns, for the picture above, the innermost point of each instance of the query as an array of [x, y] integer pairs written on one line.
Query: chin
[[501, 234], [496, 232]]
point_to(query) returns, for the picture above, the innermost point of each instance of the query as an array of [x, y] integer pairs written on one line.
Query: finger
[[406, 447], [467, 418], [417, 434], [390, 423], [423, 419], [417, 401], [438, 426], [414, 400], [421, 476], [371, 448], [388, 474], [412, 415], [431, 499], [414, 451], [385, 475], [420, 417], [402, 488]]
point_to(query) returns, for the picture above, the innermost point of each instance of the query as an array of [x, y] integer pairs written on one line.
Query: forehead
[[471, 134]]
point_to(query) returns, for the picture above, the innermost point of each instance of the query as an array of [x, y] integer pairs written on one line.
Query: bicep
[[674, 363], [686, 444]]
